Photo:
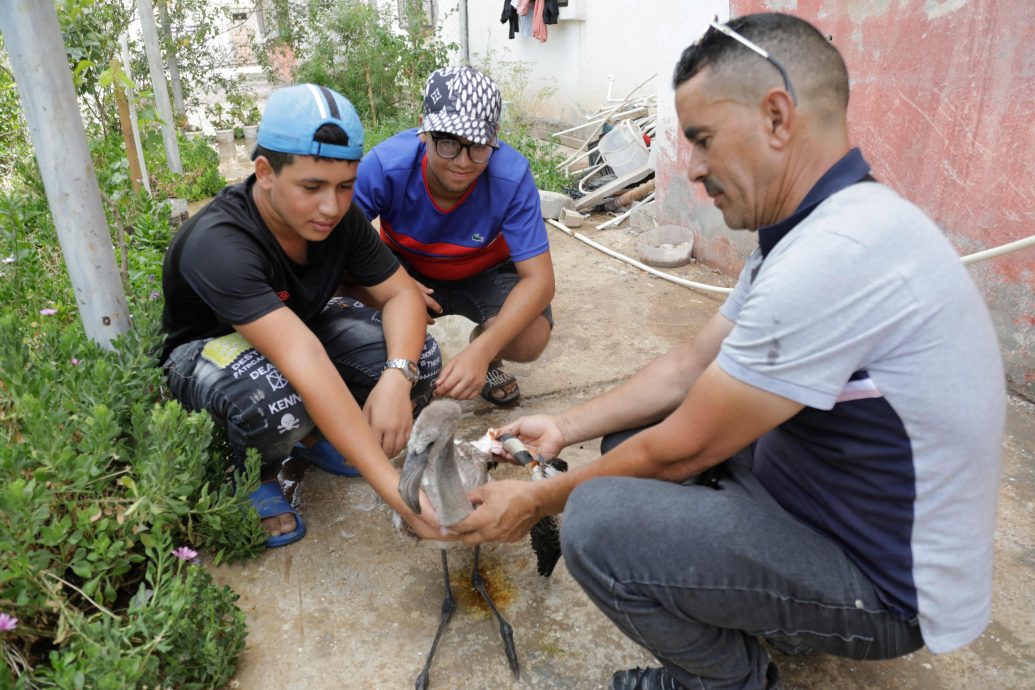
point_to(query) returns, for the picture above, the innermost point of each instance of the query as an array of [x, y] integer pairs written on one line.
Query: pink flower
[[75, 361], [7, 622], [48, 312], [185, 553]]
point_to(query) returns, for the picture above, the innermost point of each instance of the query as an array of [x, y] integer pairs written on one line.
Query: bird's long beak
[[409, 479]]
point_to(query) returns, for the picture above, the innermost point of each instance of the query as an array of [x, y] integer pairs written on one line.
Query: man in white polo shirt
[[820, 465]]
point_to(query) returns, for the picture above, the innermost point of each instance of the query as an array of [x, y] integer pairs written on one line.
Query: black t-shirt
[[225, 267]]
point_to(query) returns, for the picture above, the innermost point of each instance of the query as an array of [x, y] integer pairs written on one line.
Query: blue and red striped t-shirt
[[499, 217]]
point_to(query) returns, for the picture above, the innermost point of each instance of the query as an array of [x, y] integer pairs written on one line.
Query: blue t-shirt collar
[[850, 169]]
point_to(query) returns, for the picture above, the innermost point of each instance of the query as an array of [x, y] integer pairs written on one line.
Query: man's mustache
[[712, 187]]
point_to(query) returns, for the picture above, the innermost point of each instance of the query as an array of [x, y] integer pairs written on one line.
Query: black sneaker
[[644, 679], [660, 679], [772, 678]]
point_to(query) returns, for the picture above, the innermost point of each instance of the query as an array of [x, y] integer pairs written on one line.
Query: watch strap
[[408, 368]]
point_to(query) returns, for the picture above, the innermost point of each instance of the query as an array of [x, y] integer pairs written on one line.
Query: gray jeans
[[697, 572], [246, 394]]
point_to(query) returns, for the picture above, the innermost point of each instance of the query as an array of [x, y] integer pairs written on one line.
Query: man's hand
[[463, 377], [389, 411], [539, 433], [429, 301], [507, 512]]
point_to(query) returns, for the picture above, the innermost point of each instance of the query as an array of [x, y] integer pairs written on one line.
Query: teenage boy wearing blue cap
[[460, 209], [254, 332]]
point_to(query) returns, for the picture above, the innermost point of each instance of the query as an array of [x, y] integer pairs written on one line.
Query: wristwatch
[[408, 368]]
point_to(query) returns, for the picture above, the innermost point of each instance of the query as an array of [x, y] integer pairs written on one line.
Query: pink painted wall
[[943, 107]]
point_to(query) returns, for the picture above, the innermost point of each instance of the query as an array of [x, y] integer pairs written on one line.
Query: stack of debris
[[613, 162]]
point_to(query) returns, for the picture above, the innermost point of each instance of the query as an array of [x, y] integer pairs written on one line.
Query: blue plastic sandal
[[269, 501], [323, 455]]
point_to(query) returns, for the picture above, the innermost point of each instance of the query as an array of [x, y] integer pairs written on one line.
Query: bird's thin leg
[[448, 606], [506, 632]]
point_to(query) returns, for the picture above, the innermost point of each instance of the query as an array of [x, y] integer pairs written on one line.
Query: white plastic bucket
[[623, 149], [666, 246]]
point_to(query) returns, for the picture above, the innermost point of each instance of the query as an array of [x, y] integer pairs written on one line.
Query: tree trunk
[[33, 37]]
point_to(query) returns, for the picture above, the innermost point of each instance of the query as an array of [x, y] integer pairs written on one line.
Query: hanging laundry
[[551, 12], [538, 25], [525, 24], [510, 16]]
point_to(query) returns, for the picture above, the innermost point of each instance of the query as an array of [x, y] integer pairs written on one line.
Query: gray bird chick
[[445, 468]]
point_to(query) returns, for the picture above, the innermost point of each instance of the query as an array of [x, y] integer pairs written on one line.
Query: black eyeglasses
[[725, 30], [448, 147]]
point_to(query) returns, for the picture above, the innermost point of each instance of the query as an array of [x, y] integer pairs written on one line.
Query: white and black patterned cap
[[463, 102]]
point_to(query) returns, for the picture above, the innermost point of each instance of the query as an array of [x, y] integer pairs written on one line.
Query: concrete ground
[[355, 604]]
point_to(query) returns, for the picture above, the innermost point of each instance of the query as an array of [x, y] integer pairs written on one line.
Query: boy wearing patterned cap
[[255, 336], [460, 210]]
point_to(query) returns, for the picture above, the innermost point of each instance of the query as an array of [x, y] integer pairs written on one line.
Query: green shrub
[[356, 49], [102, 483], [103, 476], [516, 127]]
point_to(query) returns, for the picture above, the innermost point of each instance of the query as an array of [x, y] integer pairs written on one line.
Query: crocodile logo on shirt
[[477, 237]]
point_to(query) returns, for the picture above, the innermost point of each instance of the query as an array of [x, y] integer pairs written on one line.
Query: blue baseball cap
[[294, 113]]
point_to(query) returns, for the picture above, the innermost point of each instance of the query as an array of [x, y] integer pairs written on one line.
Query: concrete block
[[643, 217], [177, 210], [553, 203], [570, 218]]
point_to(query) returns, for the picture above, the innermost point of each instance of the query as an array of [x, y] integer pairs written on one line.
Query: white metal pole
[[33, 37], [465, 40], [124, 44], [161, 89], [170, 60]]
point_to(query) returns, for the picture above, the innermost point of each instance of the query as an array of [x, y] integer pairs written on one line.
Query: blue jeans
[[697, 572], [246, 394]]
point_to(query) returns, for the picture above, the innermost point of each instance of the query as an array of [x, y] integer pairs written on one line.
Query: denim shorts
[[246, 394]]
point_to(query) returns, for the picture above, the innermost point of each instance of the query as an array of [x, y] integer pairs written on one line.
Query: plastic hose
[[969, 259]]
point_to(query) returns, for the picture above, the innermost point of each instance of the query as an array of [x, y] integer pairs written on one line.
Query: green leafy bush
[[516, 127], [102, 481], [356, 49], [103, 476], [201, 177]]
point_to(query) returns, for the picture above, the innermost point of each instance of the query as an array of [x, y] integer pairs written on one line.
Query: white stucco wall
[[593, 39]]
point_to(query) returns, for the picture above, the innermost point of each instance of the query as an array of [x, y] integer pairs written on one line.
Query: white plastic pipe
[[1000, 250], [633, 262], [969, 259]]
